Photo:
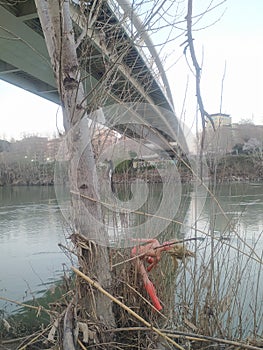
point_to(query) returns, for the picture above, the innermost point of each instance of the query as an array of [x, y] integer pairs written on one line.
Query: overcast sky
[[236, 40]]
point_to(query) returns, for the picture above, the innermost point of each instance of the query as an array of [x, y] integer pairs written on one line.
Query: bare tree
[[60, 39], [72, 57]]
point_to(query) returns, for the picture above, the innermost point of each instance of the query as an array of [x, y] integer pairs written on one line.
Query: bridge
[[135, 75]]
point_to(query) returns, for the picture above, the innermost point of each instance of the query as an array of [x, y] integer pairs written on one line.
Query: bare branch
[[190, 45], [222, 88]]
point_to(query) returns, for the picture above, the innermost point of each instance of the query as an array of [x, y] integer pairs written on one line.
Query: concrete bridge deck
[[137, 77]]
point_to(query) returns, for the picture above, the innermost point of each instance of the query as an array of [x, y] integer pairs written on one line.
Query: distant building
[[227, 136], [243, 132], [52, 149], [220, 119], [4, 146], [32, 148]]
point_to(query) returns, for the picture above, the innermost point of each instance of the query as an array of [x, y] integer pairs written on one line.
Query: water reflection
[[223, 285], [30, 230], [148, 218]]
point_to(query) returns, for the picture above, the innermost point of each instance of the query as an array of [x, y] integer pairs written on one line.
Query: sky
[[234, 41], [24, 114]]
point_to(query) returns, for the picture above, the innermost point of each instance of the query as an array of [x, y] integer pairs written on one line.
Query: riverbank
[[237, 168], [27, 173], [230, 168]]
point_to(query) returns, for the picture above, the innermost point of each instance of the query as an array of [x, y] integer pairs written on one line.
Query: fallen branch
[[190, 336], [125, 307], [68, 337], [33, 340], [37, 308]]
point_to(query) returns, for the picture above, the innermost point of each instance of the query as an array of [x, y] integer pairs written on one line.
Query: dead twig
[[190, 44], [190, 336], [37, 308], [125, 307], [33, 340]]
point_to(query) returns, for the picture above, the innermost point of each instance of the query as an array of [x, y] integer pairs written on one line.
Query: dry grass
[[211, 301]]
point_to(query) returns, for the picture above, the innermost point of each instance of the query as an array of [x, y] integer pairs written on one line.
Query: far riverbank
[[230, 168]]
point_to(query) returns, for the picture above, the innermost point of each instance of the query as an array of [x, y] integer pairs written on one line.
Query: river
[[30, 230], [31, 226]]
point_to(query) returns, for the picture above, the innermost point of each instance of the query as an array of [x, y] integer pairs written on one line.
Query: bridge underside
[[24, 62]]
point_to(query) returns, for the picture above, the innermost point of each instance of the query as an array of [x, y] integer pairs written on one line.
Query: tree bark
[[86, 215]]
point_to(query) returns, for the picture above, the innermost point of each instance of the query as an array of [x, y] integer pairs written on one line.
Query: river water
[[30, 230], [31, 226]]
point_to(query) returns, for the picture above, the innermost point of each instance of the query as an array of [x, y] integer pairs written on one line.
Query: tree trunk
[[86, 215]]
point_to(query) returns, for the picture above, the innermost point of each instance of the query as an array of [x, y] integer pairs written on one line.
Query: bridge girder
[[24, 61]]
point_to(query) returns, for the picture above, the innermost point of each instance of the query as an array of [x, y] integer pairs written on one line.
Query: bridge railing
[[124, 12]]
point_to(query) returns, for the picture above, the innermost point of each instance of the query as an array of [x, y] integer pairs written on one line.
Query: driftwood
[[68, 336]]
